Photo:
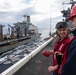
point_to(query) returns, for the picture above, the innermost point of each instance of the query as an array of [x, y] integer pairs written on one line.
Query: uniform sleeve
[[69, 68]]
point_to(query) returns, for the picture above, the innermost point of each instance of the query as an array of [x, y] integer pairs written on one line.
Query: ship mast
[[25, 17], [50, 24]]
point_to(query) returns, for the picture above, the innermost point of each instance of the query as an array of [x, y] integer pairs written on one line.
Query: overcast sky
[[12, 11]]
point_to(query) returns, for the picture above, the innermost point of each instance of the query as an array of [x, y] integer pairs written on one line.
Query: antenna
[[50, 23], [25, 17]]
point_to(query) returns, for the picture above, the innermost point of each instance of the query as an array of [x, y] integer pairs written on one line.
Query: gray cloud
[[15, 16]]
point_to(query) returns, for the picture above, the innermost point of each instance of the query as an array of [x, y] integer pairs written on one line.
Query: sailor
[[69, 66], [59, 47]]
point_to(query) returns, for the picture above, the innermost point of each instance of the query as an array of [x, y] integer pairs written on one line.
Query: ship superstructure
[[66, 13], [25, 28]]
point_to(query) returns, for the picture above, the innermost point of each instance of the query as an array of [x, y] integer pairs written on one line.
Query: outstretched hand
[[52, 68]]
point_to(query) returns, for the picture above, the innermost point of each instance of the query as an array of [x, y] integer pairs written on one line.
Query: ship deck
[[38, 65]]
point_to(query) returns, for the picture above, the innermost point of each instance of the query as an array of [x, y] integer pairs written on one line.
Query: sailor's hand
[[52, 68], [51, 51], [57, 53]]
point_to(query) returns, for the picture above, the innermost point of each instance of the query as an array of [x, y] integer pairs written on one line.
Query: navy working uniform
[[69, 68]]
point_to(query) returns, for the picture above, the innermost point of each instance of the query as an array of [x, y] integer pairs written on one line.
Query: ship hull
[[17, 42]]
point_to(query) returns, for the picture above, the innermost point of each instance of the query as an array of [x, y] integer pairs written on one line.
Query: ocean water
[[44, 32]]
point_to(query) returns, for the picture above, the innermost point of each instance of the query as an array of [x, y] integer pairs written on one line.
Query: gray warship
[[21, 33]]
